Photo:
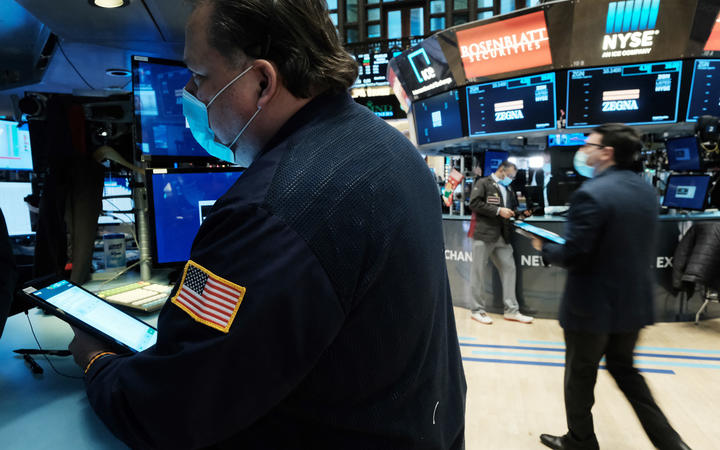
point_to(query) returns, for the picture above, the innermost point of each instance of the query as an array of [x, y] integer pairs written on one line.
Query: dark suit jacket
[[485, 201], [610, 246]]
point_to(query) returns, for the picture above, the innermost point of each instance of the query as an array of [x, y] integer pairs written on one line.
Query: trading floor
[[515, 384]]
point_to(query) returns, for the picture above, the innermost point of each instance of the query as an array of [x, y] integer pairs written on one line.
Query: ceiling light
[[109, 3]]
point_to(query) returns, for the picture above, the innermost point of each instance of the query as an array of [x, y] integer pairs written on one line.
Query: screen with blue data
[[704, 89], [512, 106], [686, 191], [438, 118], [15, 151], [683, 153], [179, 203], [635, 94], [14, 208], [493, 159], [566, 140], [159, 120]]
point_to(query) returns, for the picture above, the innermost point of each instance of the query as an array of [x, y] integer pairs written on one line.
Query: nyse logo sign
[[425, 73], [664, 262], [630, 28], [531, 261], [454, 255]]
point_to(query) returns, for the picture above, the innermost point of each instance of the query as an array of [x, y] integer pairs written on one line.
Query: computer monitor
[[634, 94], [17, 214], [683, 153], [512, 106], [686, 191], [566, 140], [15, 150], [179, 200], [117, 201], [704, 89], [492, 160], [438, 118], [161, 128]]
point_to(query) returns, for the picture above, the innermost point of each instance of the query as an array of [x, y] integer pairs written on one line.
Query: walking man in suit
[[608, 295], [494, 204]]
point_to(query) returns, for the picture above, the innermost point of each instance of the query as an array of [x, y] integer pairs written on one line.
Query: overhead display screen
[[505, 46], [438, 118], [423, 70], [15, 152], [705, 89], [372, 68], [511, 106], [634, 94]]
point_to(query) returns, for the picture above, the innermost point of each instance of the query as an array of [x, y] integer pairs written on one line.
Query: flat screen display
[[636, 94], [493, 159], [372, 68], [161, 127], [686, 191], [15, 210], [512, 106], [117, 204], [683, 153], [566, 140], [180, 201], [438, 118], [15, 151], [704, 89], [96, 313]]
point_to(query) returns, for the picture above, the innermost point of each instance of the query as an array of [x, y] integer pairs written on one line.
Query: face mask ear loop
[[259, 108], [228, 85]]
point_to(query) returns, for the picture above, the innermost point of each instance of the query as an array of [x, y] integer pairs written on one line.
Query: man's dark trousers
[[582, 357]]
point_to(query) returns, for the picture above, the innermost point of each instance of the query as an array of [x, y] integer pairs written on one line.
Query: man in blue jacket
[[315, 310], [608, 297]]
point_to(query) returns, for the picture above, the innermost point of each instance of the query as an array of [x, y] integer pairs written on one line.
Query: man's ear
[[268, 83]]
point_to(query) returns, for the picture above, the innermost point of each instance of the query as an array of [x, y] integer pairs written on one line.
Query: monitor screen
[[438, 118], [15, 210], [686, 191], [704, 89], [15, 152], [179, 200], [634, 94], [372, 68], [683, 153], [511, 106], [566, 140], [493, 159], [117, 201], [161, 127]]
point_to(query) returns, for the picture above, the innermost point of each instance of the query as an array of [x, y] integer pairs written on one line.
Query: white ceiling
[[93, 39]]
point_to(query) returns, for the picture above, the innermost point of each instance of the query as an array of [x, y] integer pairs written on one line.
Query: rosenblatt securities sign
[[506, 46]]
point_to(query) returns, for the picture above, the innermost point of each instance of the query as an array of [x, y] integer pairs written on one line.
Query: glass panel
[[460, 4], [533, 3], [437, 23], [507, 6], [484, 3], [437, 6], [373, 31], [373, 2], [373, 14], [351, 11], [459, 19], [394, 19], [352, 35], [484, 15], [417, 24], [332, 4], [333, 17]]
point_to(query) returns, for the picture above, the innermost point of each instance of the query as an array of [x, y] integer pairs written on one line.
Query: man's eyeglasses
[[587, 144]]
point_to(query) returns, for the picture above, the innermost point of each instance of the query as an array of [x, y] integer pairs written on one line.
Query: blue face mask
[[196, 113], [580, 163], [506, 181]]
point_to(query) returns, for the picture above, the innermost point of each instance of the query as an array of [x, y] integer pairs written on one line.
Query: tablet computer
[[532, 231], [85, 310]]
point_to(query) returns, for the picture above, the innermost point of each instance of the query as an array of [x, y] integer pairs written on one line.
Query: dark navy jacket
[[610, 246], [345, 337]]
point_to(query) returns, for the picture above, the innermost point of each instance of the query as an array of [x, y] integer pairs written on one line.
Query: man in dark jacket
[[494, 204], [315, 310], [608, 297]]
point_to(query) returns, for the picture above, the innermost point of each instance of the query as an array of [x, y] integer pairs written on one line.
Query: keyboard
[[141, 295]]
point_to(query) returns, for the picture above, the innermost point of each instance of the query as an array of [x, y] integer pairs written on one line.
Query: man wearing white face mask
[[608, 298], [315, 310], [494, 204]]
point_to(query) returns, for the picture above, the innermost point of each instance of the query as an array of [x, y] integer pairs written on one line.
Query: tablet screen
[[102, 316], [540, 232]]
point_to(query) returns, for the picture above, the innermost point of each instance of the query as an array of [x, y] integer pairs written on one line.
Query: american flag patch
[[208, 298]]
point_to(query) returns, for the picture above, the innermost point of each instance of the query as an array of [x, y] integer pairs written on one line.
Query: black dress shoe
[[551, 441]]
